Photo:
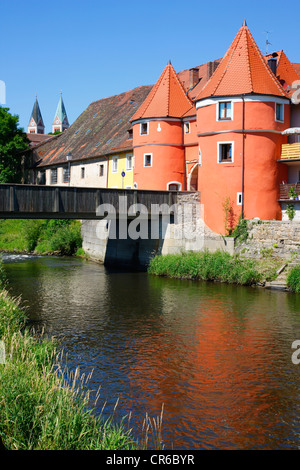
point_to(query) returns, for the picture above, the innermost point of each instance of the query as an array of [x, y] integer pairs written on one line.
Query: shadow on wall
[[135, 253]]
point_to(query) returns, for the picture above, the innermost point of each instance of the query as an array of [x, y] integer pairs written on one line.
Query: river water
[[217, 357]]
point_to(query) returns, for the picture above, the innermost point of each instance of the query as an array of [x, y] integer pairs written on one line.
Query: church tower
[[36, 123], [60, 122]]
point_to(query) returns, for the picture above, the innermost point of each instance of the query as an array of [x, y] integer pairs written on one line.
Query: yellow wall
[[115, 179]]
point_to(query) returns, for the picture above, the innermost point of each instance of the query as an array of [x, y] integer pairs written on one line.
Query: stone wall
[[277, 238]]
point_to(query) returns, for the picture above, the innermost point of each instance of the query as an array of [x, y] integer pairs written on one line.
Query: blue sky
[[91, 49]]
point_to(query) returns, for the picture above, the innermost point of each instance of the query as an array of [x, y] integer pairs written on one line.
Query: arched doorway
[[192, 182]]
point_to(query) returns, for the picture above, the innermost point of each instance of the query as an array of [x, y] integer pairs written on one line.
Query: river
[[216, 357]]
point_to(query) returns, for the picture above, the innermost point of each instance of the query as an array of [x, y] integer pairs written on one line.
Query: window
[[144, 129], [279, 112], [239, 199], [148, 159], [174, 186], [187, 129], [225, 110], [114, 164], [82, 172], [32, 131], [225, 152], [101, 170], [199, 157], [129, 162], [53, 176], [130, 133], [66, 174]]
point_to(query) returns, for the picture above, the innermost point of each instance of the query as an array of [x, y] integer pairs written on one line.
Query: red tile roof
[[285, 72], [100, 130], [242, 70], [166, 99]]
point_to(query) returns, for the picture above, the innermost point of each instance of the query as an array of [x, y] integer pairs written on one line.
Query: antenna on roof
[[268, 43]]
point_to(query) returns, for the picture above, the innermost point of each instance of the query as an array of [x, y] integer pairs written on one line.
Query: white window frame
[[148, 166], [239, 199], [129, 155], [187, 127], [199, 156], [174, 182], [218, 110], [53, 171], [219, 153], [141, 127], [115, 164], [282, 108]]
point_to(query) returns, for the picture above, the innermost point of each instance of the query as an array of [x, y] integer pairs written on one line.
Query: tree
[[13, 141]]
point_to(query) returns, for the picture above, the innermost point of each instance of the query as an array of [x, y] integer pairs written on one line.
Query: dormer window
[[144, 128], [225, 111]]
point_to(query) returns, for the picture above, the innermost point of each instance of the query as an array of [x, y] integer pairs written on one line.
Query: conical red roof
[[243, 70], [166, 99]]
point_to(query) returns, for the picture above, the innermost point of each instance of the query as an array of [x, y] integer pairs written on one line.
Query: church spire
[[60, 122], [36, 123]]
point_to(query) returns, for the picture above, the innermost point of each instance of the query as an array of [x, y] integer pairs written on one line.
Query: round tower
[[241, 113], [159, 161]]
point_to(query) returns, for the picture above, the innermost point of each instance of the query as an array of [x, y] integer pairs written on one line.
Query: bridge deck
[[18, 201]]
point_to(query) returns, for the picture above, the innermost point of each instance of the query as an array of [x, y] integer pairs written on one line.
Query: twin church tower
[[36, 123]]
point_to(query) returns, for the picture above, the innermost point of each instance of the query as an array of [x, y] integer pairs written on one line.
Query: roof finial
[[244, 23], [169, 63]]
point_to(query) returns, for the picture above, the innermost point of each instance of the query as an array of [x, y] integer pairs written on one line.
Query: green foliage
[[12, 142], [293, 279], [240, 232], [292, 192], [218, 266], [41, 406], [41, 236], [291, 211]]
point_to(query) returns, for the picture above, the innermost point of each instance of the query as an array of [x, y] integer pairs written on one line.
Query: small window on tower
[[82, 172], [101, 170], [279, 112], [144, 129], [225, 110], [225, 152], [148, 159]]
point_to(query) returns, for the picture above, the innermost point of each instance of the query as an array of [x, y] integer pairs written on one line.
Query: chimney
[[272, 61], [193, 77], [211, 67]]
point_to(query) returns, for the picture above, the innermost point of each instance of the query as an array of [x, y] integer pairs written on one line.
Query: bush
[[293, 280]]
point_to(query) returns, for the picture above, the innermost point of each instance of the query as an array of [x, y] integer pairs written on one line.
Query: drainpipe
[[183, 156], [243, 161]]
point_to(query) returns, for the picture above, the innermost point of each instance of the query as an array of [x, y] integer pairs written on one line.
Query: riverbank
[[42, 406], [43, 237], [222, 267]]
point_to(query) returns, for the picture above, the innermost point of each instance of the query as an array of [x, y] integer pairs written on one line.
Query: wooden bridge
[[21, 201]]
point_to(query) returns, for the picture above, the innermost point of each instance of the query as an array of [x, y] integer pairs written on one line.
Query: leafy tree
[[12, 142]]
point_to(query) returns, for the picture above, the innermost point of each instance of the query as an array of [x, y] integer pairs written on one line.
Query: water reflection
[[217, 356]]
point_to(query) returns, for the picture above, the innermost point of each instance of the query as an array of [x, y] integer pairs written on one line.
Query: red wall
[[218, 181], [167, 155]]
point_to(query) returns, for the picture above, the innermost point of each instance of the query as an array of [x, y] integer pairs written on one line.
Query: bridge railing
[[35, 201]]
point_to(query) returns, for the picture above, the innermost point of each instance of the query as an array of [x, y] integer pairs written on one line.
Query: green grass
[[218, 266], [293, 279], [41, 236]]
